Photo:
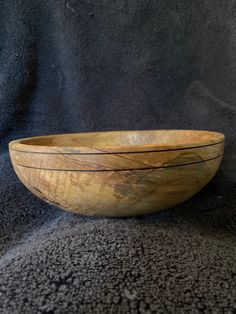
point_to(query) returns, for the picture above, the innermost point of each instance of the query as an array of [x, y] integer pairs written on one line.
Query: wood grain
[[118, 173]]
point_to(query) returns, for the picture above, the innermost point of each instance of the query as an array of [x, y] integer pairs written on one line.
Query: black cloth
[[92, 65]]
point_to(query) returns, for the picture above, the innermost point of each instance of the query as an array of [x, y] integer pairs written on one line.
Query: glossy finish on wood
[[120, 173]]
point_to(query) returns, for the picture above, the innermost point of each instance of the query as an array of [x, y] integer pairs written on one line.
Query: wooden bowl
[[121, 173]]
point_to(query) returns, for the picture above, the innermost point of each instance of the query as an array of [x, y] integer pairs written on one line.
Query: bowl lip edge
[[17, 145]]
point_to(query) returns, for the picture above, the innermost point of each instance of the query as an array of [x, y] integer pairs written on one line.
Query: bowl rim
[[18, 145]]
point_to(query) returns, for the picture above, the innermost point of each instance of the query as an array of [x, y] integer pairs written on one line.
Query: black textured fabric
[[81, 65]]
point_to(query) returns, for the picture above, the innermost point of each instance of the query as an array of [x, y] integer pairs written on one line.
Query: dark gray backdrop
[[81, 65]]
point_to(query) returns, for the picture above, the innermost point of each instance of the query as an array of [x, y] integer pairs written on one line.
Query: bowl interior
[[126, 138]]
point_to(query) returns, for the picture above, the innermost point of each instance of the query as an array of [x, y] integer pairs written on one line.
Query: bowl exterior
[[124, 184]]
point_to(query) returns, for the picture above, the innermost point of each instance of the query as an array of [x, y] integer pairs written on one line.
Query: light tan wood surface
[[119, 173]]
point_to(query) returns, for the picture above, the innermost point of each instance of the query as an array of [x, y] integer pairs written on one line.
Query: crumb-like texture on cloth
[[70, 66]]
